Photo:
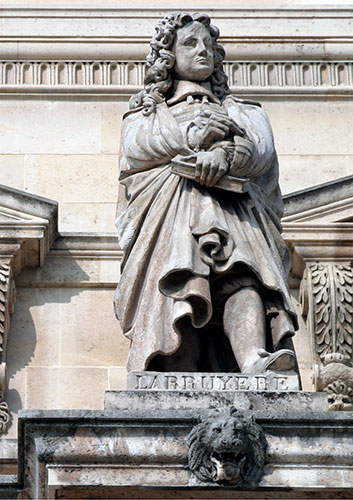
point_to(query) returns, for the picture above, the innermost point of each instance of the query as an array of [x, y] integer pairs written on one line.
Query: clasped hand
[[210, 166], [209, 128]]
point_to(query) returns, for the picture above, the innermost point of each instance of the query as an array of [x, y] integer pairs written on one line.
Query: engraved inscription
[[179, 381]]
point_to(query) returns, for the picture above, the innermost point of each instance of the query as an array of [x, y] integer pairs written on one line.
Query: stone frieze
[[313, 77]]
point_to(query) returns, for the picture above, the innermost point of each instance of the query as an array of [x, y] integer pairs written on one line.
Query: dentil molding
[[285, 77], [280, 50]]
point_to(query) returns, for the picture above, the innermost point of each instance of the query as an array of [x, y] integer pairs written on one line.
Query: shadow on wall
[[39, 320]]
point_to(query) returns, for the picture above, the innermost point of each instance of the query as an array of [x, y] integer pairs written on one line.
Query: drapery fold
[[176, 234]]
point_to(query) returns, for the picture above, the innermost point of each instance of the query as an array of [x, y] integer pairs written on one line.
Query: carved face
[[227, 434], [227, 448], [193, 49]]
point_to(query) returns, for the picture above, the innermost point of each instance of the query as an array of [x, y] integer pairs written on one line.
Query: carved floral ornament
[[227, 448], [327, 301]]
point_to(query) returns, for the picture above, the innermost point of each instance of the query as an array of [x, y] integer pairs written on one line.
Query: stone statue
[[204, 274]]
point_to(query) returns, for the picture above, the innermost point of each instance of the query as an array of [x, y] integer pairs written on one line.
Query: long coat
[[177, 234]]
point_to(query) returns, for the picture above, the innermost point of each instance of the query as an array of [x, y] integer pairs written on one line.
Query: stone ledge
[[107, 454], [316, 197], [84, 260], [194, 401]]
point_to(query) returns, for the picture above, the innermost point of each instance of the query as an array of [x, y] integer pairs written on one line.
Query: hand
[[213, 126], [211, 166]]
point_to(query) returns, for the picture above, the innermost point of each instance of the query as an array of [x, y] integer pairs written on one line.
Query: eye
[[190, 42], [217, 430]]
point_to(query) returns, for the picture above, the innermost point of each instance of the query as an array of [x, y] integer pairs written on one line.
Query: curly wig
[[161, 59]]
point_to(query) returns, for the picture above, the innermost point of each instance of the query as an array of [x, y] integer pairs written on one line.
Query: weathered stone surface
[[113, 452], [25, 217], [195, 381], [318, 226], [28, 226], [271, 402], [307, 30], [297, 136], [319, 199]]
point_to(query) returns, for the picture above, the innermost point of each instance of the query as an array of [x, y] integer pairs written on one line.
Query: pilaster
[[27, 229], [318, 227]]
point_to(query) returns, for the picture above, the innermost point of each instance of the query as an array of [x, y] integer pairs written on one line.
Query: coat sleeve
[[150, 141], [253, 119], [264, 162]]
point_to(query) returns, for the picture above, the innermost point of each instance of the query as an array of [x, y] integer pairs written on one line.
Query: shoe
[[280, 361]]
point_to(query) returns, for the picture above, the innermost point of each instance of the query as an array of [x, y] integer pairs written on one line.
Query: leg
[[244, 325]]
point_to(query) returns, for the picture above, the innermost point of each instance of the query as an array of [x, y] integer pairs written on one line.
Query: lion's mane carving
[[229, 448]]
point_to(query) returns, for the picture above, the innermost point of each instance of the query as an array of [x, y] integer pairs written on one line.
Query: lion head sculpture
[[228, 448]]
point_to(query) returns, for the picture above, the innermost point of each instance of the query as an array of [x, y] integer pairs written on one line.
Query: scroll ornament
[[327, 300]]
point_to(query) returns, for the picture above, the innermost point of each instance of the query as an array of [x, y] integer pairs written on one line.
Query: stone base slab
[[194, 401], [140, 450]]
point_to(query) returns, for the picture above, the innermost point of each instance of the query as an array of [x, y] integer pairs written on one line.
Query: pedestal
[[138, 447]]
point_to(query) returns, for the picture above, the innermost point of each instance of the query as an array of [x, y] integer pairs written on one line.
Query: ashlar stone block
[[60, 129], [297, 135], [70, 387], [71, 178]]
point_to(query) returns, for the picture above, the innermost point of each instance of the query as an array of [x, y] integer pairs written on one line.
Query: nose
[[201, 48]]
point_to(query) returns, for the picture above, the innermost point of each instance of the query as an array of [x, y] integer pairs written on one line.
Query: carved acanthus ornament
[[7, 299], [327, 300]]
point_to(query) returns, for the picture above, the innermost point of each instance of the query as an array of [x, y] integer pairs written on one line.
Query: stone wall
[[66, 74]]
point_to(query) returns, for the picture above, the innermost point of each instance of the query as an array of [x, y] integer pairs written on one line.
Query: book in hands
[[186, 168]]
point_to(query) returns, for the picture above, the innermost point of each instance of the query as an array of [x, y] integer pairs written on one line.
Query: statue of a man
[[204, 275]]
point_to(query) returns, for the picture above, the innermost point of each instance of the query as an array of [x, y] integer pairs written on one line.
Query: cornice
[[318, 224], [102, 26], [28, 227], [87, 245], [296, 11], [308, 50]]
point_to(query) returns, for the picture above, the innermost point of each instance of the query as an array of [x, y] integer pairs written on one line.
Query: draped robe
[[176, 234]]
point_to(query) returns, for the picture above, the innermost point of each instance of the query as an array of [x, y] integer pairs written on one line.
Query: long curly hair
[[161, 59]]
